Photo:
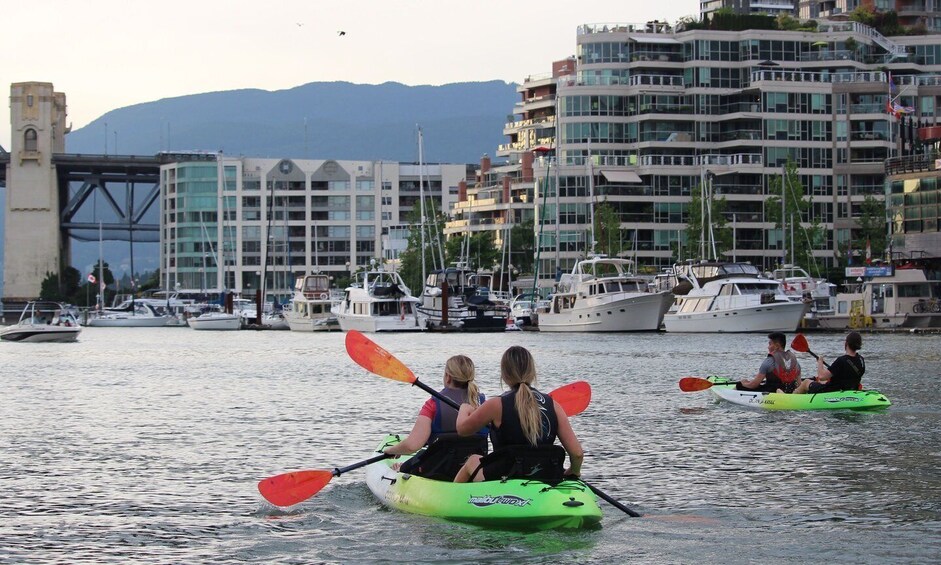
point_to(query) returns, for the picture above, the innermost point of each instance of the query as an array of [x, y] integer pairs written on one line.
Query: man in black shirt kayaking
[[846, 373]]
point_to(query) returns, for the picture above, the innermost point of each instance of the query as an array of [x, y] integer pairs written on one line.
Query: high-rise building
[[646, 116], [287, 217]]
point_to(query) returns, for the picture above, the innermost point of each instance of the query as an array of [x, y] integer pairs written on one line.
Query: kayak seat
[[445, 456], [544, 463]]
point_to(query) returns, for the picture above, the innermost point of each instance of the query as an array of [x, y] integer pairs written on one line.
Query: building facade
[[38, 119], [647, 114], [282, 218]]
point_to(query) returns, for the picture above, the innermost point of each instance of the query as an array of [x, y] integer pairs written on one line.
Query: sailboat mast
[[220, 225], [101, 269], [421, 198], [783, 214], [591, 203]]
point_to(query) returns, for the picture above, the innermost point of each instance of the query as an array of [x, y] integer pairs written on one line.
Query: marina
[[146, 444]]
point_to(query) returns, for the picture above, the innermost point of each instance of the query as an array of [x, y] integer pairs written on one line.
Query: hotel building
[[287, 217], [645, 114]]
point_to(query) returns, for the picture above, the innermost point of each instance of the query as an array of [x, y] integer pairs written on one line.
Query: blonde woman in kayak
[[436, 418], [524, 425]]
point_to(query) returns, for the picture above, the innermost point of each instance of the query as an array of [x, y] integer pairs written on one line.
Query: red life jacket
[[786, 367]]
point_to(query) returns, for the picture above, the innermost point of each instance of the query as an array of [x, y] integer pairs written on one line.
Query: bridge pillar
[[33, 242]]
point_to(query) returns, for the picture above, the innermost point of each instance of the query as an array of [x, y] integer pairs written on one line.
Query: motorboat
[[311, 307], [43, 321], [522, 306], [130, 314], [602, 295], [216, 321], [905, 298], [451, 301], [819, 294], [378, 301], [730, 297]]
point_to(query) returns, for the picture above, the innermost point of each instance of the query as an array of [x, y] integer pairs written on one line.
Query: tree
[[522, 246], [411, 258], [478, 247], [607, 230], [807, 231], [872, 225]]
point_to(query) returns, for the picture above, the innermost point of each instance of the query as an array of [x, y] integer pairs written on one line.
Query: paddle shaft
[[601, 494], [436, 394], [354, 466], [814, 355]]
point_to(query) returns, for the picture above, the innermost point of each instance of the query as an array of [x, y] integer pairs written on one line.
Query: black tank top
[[511, 432]]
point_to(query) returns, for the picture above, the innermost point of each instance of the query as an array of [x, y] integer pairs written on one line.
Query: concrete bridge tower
[[33, 241]]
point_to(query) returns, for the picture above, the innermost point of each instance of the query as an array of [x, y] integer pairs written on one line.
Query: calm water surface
[[145, 446]]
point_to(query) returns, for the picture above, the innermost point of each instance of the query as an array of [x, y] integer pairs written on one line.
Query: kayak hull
[[506, 505], [724, 389]]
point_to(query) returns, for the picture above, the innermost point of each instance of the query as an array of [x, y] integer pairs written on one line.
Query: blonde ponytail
[[462, 372], [519, 369]]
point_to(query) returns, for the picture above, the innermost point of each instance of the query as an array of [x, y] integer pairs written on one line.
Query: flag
[[868, 253], [91, 278], [892, 87]]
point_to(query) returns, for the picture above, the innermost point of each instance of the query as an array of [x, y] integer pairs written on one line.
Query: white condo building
[[287, 217], [646, 114]]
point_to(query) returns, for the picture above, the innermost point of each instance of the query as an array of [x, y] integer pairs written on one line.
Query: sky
[[108, 54]]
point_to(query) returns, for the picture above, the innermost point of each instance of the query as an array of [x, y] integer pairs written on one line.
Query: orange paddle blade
[[799, 343], [290, 488], [694, 384], [375, 359], [573, 398]]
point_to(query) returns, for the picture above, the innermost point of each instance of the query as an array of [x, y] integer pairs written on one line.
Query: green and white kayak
[[724, 388], [512, 504]]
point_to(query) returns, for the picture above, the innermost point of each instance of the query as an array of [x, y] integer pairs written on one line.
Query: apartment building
[[281, 218], [645, 116]]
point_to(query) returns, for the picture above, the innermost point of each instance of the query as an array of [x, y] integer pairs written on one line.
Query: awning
[[621, 176], [645, 38]]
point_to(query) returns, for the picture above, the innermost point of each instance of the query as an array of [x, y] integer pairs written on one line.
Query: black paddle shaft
[[370, 461], [612, 501], [436, 394]]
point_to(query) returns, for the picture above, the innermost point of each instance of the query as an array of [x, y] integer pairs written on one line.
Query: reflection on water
[[145, 445]]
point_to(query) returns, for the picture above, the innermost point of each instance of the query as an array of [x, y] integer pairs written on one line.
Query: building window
[[29, 100], [29, 140]]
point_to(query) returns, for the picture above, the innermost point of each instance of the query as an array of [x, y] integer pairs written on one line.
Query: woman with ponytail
[[523, 420], [437, 419]]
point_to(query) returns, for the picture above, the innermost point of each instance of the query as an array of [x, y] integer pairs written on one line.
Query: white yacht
[[730, 297], [452, 300], [131, 314], [904, 299], [43, 321], [602, 295], [378, 301], [310, 309], [216, 321]]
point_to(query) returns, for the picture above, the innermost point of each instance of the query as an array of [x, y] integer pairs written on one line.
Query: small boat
[[311, 306], [512, 504], [216, 321], [452, 300], [724, 389], [730, 297], [904, 298], [378, 301], [43, 321], [602, 295]]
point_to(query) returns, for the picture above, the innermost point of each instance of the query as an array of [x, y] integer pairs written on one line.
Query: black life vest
[[445, 420], [511, 432]]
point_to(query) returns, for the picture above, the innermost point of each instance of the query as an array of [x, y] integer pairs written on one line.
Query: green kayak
[[511, 504], [724, 388]]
